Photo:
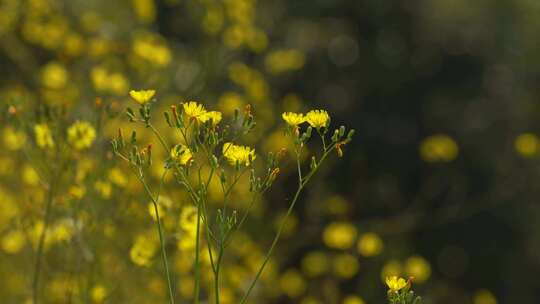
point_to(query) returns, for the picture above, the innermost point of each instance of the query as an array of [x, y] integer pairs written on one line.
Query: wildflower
[[81, 135], [418, 267], [43, 136], [214, 116], [396, 284], [293, 119], [13, 140], [54, 75], [143, 250], [292, 283], [318, 118], [315, 264], [12, 242], [181, 154], [439, 148], [484, 296], [194, 110], [527, 145], [98, 293], [142, 96], [238, 154], [353, 300], [339, 235], [345, 265], [370, 244]]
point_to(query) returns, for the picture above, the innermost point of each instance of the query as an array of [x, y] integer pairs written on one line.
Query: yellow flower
[[214, 116], [98, 293], [13, 140], [419, 268], [293, 119], [370, 244], [339, 235], [43, 135], [318, 118], [143, 250], [238, 154], [81, 135], [395, 284], [142, 96], [54, 75], [194, 110], [181, 154], [527, 145], [484, 296], [439, 148]]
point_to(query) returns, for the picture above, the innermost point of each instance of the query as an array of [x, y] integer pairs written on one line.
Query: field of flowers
[[269, 151]]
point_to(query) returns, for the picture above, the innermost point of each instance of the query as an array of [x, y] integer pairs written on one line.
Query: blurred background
[[438, 183]]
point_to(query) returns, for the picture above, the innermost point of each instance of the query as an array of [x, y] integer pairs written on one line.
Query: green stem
[[274, 242], [160, 232], [302, 181], [41, 243], [197, 262]]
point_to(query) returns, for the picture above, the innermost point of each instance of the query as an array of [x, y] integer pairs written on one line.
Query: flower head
[[395, 284], [81, 135], [214, 116], [43, 136], [238, 154], [194, 110], [142, 96], [318, 118], [293, 119], [181, 154]]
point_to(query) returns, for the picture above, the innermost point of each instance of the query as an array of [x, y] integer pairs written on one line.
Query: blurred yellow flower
[[340, 235], [194, 110], [142, 96], [13, 241], [43, 136], [13, 140], [315, 264], [188, 217], [353, 300], [318, 118], [213, 116], [81, 135], [438, 148], [527, 145], [54, 75], [370, 244], [418, 267], [484, 296], [117, 177], [293, 119], [103, 188], [181, 154], [145, 10], [30, 176], [345, 265], [292, 283], [238, 154], [98, 293], [395, 284], [281, 61], [143, 250]]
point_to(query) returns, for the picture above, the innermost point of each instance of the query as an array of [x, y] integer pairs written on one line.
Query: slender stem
[[274, 242], [41, 243], [302, 181], [197, 263], [160, 232], [216, 273]]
